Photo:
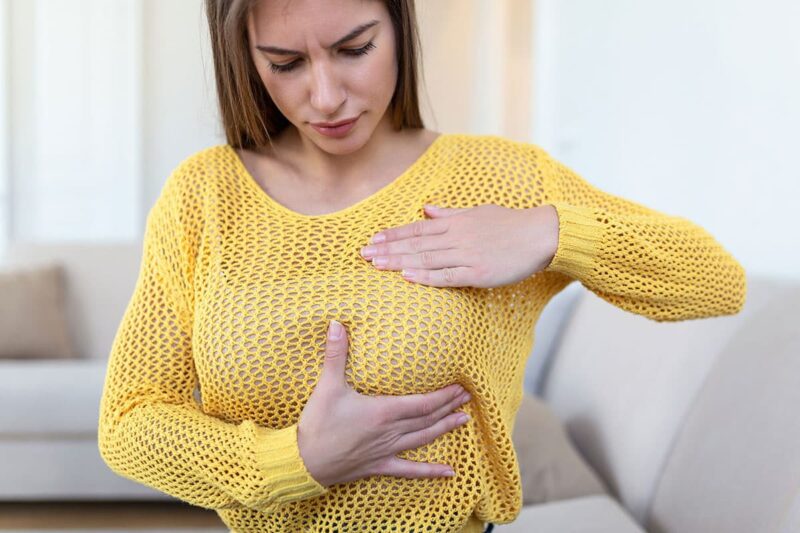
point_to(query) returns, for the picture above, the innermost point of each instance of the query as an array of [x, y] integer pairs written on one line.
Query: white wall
[[75, 119], [104, 99], [687, 106], [179, 95], [5, 182]]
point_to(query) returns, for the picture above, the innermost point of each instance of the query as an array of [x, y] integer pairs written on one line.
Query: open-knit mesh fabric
[[223, 339]]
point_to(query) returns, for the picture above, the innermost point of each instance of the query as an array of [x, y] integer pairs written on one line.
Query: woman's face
[[320, 78]]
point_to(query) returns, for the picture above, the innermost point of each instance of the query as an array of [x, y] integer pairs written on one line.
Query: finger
[[433, 259], [412, 245], [333, 367], [409, 425], [409, 441], [438, 211], [398, 467], [454, 276], [418, 228], [416, 405]]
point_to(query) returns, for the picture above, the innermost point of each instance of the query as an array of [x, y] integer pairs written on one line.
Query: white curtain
[[478, 65]]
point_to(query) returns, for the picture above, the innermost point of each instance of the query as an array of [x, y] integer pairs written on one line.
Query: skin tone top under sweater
[[223, 339]]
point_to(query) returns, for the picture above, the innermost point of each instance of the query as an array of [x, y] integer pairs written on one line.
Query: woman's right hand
[[343, 435]]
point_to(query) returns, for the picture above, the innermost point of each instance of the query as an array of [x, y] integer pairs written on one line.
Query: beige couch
[[692, 426]]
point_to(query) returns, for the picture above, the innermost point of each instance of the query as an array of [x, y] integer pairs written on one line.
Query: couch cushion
[[550, 467], [67, 469], [622, 384], [791, 521], [41, 398], [33, 322], [590, 514], [547, 334], [99, 279], [736, 463]]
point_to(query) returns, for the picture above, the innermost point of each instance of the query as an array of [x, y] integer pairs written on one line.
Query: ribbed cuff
[[579, 238], [278, 456]]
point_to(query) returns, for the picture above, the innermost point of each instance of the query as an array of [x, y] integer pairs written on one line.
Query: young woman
[[223, 389]]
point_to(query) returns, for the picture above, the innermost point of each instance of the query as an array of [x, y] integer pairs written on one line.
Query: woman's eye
[[359, 51], [353, 52], [282, 68]]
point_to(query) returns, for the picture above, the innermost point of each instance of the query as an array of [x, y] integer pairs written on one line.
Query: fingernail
[[378, 237], [463, 418], [449, 473], [334, 330]]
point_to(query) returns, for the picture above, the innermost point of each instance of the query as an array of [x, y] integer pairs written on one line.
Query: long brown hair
[[249, 115]]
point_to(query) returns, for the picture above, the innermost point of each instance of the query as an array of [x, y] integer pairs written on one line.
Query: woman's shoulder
[[490, 140], [493, 148], [204, 156], [197, 167], [186, 185]]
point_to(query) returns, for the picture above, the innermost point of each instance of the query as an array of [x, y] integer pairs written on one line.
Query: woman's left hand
[[484, 246]]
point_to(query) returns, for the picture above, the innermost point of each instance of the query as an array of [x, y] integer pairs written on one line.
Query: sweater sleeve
[[151, 430], [663, 267]]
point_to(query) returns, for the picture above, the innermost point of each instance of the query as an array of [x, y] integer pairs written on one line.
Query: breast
[[260, 338]]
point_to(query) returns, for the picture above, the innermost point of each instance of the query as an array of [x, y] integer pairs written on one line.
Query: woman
[[255, 247]]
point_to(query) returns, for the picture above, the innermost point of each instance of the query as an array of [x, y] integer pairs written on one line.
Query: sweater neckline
[[265, 198]]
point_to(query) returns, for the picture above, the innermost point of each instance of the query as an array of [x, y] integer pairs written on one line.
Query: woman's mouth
[[337, 131]]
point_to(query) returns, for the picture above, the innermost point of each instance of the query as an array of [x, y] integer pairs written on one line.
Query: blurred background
[[687, 106]]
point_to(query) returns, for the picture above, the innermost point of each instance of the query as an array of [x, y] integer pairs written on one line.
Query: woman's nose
[[327, 92]]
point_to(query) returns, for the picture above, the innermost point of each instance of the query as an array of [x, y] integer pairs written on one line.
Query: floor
[[117, 517]]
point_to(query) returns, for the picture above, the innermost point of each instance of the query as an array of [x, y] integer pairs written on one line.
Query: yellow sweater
[[234, 296]]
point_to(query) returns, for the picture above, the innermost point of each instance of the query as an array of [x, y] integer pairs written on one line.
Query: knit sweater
[[223, 339]]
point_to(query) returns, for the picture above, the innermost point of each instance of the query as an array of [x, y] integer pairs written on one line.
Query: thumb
[[336, 347]]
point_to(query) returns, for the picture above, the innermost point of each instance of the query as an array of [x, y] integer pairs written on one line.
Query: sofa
[[691, 427]]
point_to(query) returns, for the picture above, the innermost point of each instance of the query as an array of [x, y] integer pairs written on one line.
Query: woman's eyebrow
[[355, 32]]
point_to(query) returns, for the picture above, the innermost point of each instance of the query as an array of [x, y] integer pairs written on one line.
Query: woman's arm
[[150, 428], [663, 267]]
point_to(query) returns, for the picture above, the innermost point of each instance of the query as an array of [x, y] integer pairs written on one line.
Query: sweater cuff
[[278, 457], [579, 237]]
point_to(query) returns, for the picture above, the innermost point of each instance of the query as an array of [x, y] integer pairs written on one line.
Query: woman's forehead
[[280, 13], [307, 23]]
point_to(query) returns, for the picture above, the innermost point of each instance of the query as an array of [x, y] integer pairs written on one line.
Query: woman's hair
[[249, 115]]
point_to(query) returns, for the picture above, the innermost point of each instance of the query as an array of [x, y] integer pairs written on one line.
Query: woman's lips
[[337, 131]]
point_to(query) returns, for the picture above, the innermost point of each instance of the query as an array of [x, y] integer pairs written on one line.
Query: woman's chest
[[261, 320]]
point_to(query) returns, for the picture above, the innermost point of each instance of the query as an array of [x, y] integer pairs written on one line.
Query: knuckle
[[427, 259], [334, 349], [427, 435], [417, 228], [482, 276], [379, 416], [426, 407], [416, 244], [389, 440], [381, 466], [449, 274]]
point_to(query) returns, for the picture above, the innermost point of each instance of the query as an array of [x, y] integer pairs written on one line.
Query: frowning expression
[[325, 61]]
